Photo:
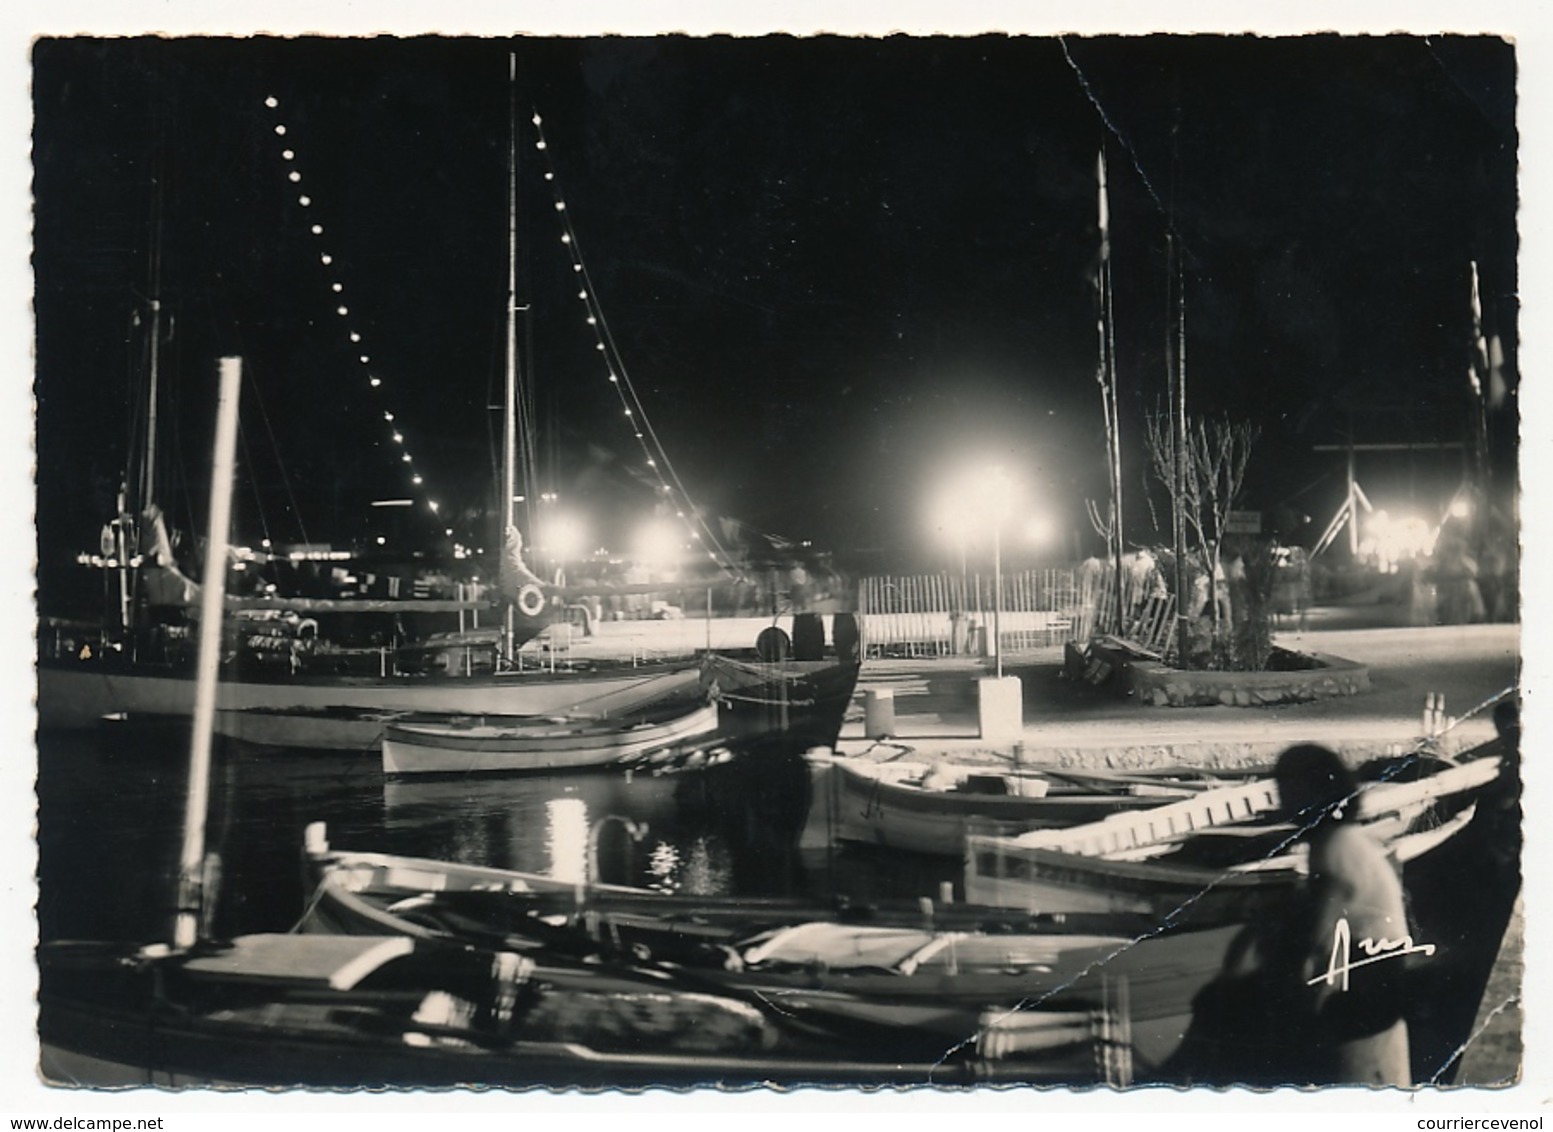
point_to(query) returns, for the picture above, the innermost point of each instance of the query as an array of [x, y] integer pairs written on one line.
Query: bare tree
[[1210, 482]]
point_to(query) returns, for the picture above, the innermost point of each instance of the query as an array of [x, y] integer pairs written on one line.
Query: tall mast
[[1179, 472], [509, 402], [139, 486], [153, 379], [1108, 389], [191, 863], [509, 435], [1479, 376]]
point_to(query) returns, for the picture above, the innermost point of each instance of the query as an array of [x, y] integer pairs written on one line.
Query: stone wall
[[1161, 686]]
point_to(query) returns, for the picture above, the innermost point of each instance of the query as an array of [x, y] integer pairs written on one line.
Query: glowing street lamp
[[952, 523], [975, 501], [657, 543], [562, 536], [1038, 530]]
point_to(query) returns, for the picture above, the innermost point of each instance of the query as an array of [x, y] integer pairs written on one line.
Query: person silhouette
[[1354, 910], [1284, 1008]]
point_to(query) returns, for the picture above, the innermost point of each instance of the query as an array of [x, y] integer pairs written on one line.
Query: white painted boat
[[77, 694], [931, 807], [478, 746], [361, 729], [1213, 859]]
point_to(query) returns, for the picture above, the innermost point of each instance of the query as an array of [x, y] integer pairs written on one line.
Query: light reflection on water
[[110, 808], [669, 832], [566, 839]]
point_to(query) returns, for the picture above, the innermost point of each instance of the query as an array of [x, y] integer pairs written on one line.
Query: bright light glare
[[566, 839], [1391, 540], [657, 542], [969, 504], [1038, 531], [562, 536]]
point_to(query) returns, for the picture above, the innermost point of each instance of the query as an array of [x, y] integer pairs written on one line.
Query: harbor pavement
[[1071, 723]]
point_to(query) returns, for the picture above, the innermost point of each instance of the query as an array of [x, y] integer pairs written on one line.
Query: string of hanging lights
[[655, 458], [372, 377]]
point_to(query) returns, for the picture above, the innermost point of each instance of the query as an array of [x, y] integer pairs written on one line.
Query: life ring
[[772, 644], [531, 600]]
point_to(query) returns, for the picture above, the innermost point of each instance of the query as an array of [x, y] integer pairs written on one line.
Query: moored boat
[[803, 698], [880, 973], [1218, 858], [77, 693], [930, 807], [284, 1010], [482, 746], [361, 729]]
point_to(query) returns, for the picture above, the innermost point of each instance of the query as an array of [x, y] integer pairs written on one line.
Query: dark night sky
[[832, 267]]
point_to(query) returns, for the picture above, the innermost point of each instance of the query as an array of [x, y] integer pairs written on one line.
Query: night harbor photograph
[[942, 562]]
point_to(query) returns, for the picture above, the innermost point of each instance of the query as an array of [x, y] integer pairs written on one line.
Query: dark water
[[111, 808]]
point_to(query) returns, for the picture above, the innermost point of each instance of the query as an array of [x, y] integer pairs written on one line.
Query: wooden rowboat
[[904, 977], [1217, 858], [477, 746], [360, 729], [389, 1011], [932, 807]]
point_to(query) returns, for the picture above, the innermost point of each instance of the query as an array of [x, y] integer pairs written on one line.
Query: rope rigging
[[654, 455]]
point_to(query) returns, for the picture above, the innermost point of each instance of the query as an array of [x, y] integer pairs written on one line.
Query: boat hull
[[77, 695], [873, 804], [1072, 966], [803, 700], [362, 729], [1048, 880], [88, 1048], [105, 1020], [482, 749], [1409, 818]]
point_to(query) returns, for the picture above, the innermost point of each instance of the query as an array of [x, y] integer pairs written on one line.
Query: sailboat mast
[[509, 436], [1179, 448], [148, 472], [509, 401], [212, 600], [153, 380], [1108, 388], [140, 491]]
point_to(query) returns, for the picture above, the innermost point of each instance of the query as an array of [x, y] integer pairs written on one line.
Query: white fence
[[948, 615]]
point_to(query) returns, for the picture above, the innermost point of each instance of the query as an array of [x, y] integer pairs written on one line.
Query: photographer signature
[[1374, 950]]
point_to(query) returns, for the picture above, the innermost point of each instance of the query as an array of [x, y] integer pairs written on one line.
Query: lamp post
[[998, 485], [997, 591], [999, 711], [970, 503]]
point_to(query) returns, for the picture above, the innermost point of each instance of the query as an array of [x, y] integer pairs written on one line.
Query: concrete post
[[1000, 708], [879, 713]]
